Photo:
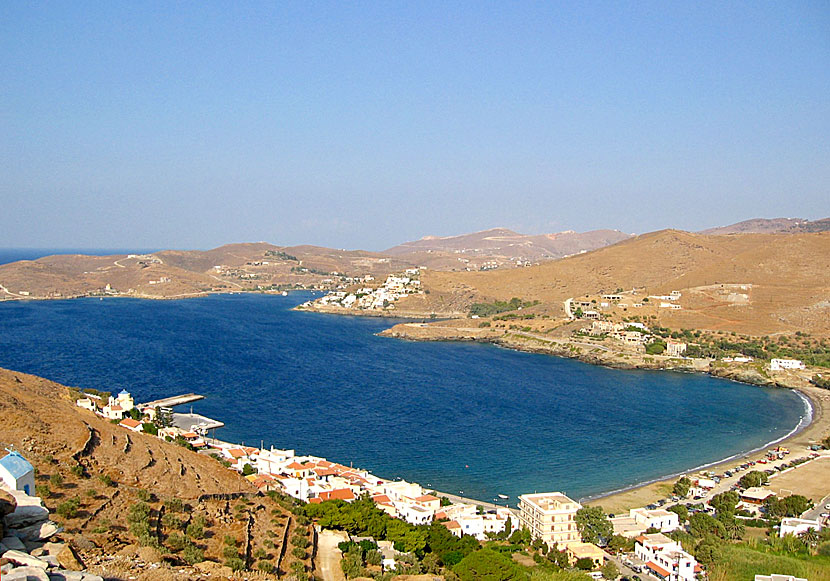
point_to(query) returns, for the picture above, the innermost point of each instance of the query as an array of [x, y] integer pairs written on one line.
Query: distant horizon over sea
[[463, 418]]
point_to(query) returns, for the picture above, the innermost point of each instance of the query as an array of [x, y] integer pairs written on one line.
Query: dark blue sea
[[459, 417]]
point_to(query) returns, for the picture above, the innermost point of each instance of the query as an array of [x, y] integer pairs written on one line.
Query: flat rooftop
[[188, 421], [549, 501]]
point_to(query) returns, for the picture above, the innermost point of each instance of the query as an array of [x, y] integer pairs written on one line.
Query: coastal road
[[460, 499], [328, 555], [563, 342], [815, 512]]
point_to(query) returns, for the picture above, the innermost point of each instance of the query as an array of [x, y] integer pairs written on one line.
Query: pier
[[190, 421], [169, 402]]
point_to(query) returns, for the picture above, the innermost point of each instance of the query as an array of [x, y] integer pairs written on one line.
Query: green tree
[[610, 570], [681, 511], [656, 347], [753, 478], [584, 564], [619, 543], [593, 525], [247, 470], [682, 486], [725, 502], [702, 524], [488, 565]]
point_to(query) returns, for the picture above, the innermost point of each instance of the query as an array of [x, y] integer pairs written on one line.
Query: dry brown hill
[[786, 280], [80, 455], [772, 226], [506, 244]]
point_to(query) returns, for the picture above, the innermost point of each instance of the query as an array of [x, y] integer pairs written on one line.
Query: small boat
[[503, 496], [284, 293]]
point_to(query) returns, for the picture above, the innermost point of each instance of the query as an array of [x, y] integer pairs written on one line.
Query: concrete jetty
[[169, 402]]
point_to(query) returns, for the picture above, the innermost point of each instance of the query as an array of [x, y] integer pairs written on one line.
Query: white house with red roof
[[131, 424], [666, 558]]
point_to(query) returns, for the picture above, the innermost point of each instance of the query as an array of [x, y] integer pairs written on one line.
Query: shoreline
[[812, 427], [811, 423], [804, 423]]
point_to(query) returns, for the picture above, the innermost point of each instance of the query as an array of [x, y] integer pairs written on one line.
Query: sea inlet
[[462, 418]]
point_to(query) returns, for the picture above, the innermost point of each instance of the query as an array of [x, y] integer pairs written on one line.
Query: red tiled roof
[[340, 493], [190, 435], [657, 569], [295, 466], [236, 453], [452, 524], [315, 500], [129, 423], [381, 499], [426, 498]]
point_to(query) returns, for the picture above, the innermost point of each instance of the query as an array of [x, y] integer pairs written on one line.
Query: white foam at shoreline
[[803, 422]]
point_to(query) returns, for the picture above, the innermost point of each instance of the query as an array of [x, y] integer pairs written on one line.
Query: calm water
[[456, 416]]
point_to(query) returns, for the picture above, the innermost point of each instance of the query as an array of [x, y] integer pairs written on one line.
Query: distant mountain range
[[506, 244], [264, 266], [772, 226]]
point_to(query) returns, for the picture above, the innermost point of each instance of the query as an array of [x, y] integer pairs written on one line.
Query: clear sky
[[362, 125]]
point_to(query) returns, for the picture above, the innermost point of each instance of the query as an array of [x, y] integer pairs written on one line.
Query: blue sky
[[362, 125]]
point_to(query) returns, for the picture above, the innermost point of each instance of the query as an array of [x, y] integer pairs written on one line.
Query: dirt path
[[328, 555]]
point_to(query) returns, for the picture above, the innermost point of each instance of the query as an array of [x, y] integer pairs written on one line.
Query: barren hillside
[[787, 280], [110, 470], [509, 245]]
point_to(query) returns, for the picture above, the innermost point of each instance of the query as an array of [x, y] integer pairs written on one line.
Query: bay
[[460, 417]]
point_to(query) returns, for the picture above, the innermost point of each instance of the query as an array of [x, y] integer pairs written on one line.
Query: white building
[[796, 526], [87, 404], [639, 520], [665, 558], [17, 473], [549, 516], [779, 364], [414, 514], [118, 406], [479, 525], [675, 348], [777, 578]]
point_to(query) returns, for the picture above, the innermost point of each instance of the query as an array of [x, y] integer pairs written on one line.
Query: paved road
[[328, 555], [815, 512]]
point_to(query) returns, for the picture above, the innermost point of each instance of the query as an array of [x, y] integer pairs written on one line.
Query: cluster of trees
[[753, 478], [363, 518], [434, 550], [656, 347], [792, 505], [281, 255], [496, 307]]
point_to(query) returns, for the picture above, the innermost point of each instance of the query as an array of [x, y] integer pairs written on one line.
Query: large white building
[[779, 364], [549, 516]]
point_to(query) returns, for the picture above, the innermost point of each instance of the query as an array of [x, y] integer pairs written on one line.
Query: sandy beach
[[797, 443]]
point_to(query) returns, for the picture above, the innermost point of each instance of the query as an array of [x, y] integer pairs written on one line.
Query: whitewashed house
[[665, 558], [781, 364], [17, 473]]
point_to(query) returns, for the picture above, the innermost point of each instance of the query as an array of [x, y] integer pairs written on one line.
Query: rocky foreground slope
[[134, 498]]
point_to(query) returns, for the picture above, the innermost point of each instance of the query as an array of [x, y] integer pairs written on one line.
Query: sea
[[463, 418]]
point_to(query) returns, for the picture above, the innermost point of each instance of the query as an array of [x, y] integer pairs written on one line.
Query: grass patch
[[743, 561]]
